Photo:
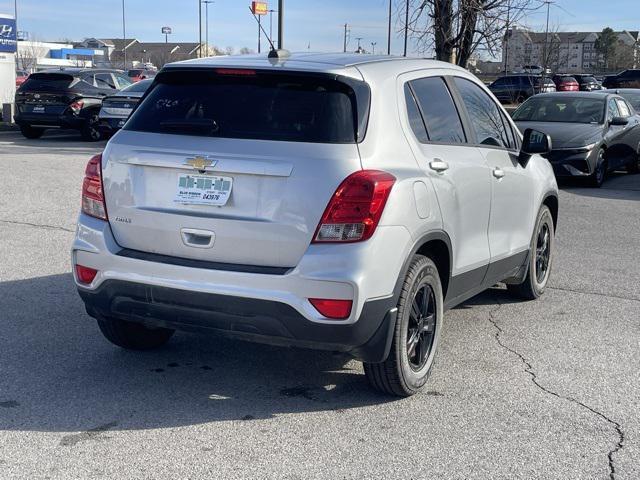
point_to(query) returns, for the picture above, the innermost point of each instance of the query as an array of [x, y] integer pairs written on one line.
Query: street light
[[373, 48], [206, 22], [124, 40], [200, 28], [271, 25]]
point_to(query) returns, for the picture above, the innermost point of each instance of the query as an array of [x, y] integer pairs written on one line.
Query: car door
[[629, 138], [614, 137], [512, 185], [458, 173]]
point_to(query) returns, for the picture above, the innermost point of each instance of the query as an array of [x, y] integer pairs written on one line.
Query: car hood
[[566, 135]]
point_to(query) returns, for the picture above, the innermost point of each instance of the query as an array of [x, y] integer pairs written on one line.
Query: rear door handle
[[438, 165], [498, 172]]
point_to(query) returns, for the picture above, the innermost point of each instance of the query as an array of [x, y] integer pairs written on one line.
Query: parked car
[[253, 197], [532, 69], [69, 98], [565, 83], [592, 133], [587, 83], [137, 74], [608, 81], [627, 79], [21, 77], [517, 88], [116, 108], [632, 96]]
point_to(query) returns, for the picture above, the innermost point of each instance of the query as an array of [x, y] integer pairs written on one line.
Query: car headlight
[[586, 148]]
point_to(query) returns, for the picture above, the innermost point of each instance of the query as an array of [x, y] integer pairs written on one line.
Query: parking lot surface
[[545, 389]]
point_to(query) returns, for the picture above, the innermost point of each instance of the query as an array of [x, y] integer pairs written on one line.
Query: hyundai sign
[[8, 37]]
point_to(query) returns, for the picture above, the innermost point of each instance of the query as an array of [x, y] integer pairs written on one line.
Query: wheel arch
[[551, 201]]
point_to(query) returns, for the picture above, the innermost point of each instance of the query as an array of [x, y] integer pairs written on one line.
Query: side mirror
[[619, 121], [533, 142]]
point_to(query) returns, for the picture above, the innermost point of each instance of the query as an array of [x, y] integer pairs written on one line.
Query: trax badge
[[200, 162]]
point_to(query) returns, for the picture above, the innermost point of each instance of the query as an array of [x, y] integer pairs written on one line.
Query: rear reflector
[[85, 274], [334, 309], [354, 211], [92, 192]]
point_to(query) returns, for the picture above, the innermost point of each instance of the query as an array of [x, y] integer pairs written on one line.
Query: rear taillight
[[334, 309], [85, 274], [92, 192], [76, 106], [355, 209]]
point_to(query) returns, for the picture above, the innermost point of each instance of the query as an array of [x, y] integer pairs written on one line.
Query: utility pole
[[271, 25], [346, 33], [389, 30], [259, 32], [200, 28], [505, 44], [280, 24], [206, 23], [406, 27], [124, 40], [373, 48], [546, 39]]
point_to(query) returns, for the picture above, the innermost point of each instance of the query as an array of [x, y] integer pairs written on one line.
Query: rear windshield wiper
[[196, 126]]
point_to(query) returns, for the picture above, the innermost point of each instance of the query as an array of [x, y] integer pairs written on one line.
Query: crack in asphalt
[[608, 295], [38, 225], [534, 378]]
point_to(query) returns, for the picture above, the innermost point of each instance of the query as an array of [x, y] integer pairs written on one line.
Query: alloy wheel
[[543, 253], [421, 327]]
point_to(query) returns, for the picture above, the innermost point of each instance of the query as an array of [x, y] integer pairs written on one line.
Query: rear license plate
[[203, 190]]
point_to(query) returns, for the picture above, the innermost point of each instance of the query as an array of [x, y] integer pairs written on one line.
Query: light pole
[[206, 23], [544, 51], [280, 24], [271, 25], [389, 31], [406, 27], [200, 28], [124, 40], [373, 48]]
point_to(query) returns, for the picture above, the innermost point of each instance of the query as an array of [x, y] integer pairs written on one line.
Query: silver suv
[[335, 202]]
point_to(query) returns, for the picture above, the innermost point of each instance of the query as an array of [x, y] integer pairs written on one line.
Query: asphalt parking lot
[[546, 389]]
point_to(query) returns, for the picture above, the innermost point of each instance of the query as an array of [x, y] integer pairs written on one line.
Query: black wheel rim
[[421, 327], [94, 133], [600, 168], [543, 253]]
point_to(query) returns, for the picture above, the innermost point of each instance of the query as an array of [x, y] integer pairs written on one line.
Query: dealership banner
[[8, 34]]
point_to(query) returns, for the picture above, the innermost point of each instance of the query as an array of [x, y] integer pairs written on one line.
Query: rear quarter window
[[246, 104]]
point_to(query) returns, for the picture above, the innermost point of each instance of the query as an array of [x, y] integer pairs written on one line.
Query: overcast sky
[[314, 23]]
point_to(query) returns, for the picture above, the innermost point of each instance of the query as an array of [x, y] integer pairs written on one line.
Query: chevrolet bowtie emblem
[[199, 162]]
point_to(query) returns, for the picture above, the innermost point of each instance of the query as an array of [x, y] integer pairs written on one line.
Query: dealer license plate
[[203, 190]]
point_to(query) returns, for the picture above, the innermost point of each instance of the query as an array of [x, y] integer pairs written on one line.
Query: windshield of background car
[[561, 109], [137, 87], [258, 105], [633, 99], [47, 81]]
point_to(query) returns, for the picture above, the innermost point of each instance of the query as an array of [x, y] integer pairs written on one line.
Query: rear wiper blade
[[193, 125]]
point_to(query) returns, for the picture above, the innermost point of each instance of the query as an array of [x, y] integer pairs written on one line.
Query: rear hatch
[[233, 166], [45, 93]]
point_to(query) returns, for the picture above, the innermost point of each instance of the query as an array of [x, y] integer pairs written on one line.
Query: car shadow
[[617, 186], [52, 138], [58, 374]]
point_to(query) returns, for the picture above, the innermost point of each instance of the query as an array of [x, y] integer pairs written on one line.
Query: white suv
[[336, 202]]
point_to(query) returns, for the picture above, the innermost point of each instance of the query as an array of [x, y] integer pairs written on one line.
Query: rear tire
[[634, 166], [416, 334], [90, 131], [540, 259], [31, 132], [133, 336]]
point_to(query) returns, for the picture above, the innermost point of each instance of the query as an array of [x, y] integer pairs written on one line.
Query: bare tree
[[28, 54], [455, 29]]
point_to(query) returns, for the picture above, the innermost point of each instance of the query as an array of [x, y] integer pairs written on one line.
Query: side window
[[623, 108], [484, 114], [105, 80], [122, 80], [89, 79], [438, 110], [415, 119], [612, 110], [511, 137]]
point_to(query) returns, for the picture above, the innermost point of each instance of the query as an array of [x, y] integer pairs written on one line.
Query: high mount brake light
[[93, 203], [355, 208], [235, 71]]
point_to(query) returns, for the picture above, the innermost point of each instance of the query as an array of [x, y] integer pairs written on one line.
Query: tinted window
[[438, 110], [501, 82], [484, 114], [415, 119], [47, 81], [255, 105], [138, 87], [570, 109], [632, 98], [122, 81], [134, 73], [104, 80]]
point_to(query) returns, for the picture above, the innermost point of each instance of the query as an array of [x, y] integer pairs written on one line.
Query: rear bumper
[[110, 124], [262, 321], [52, 121], [259, 304]]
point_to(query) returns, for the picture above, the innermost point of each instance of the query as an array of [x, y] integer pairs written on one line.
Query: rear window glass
[[47, 81], [138, 87], [314, 108], [134, 73]]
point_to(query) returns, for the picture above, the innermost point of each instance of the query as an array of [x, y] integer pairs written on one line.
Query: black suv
[[517, 88], [627, 79], [69, 98], [587, 83]]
